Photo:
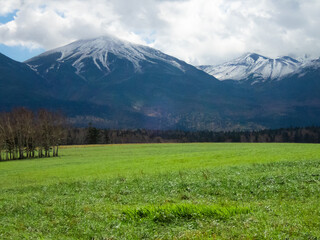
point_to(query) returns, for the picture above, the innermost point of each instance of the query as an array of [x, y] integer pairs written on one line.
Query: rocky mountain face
[[116, 84]]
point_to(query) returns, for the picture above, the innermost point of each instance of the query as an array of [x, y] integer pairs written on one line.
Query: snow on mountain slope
[[97, 49], [253, 66]]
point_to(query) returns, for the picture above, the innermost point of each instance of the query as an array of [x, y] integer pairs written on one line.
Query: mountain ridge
[[255, 67]]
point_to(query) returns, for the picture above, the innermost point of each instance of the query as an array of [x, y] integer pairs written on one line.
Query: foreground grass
[[167, 191]]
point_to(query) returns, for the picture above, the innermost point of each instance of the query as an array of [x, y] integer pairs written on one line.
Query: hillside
[[19, 84]]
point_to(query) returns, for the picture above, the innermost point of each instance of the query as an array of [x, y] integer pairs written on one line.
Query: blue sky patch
[[7, 18], [19, 53]]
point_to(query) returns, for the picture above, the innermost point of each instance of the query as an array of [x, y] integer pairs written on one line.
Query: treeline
[[25, 134], [92, 135]]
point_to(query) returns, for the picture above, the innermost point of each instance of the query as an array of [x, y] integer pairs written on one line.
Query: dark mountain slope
[[19, 85]]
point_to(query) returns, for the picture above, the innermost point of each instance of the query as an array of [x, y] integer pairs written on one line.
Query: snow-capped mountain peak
[[98, 50], [253, 66]]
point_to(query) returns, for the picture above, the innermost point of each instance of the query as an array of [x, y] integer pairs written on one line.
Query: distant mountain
[[287, 90], [254, 67], [116, 84], [105, 62], [159, 91]]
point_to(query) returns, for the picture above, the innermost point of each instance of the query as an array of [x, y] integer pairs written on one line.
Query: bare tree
[[44, 132], [59, 132], [2, 138], [10, 142], [22, 133], [52, 130]]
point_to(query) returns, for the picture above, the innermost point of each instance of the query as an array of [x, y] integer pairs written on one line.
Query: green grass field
[[164, 191]]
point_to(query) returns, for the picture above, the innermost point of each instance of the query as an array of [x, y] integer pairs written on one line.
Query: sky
[[200, 32]]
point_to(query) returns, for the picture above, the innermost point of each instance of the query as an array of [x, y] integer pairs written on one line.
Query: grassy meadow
[[164, 191]]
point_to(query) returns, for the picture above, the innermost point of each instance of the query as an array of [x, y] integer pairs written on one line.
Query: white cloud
[[7, 7], [197, 31]]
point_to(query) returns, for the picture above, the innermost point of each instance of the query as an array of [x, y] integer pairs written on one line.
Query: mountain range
[[117, 84], [257, 68]]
